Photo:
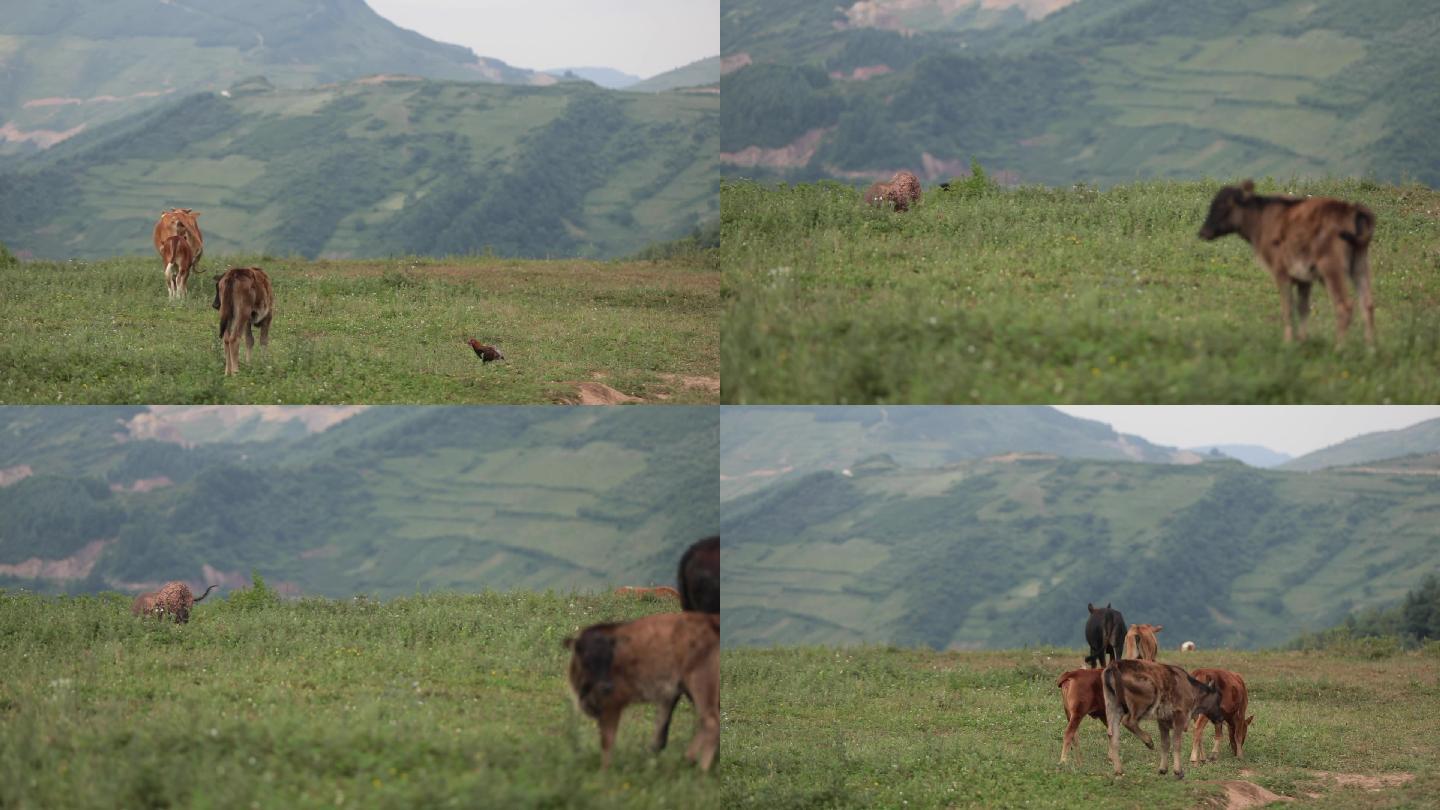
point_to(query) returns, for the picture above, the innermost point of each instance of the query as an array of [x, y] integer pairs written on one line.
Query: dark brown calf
[[699, 576], [244, 298], [1234, 702], [902, 191], [1084, 697], [1105, 633], [655, 659], [1300, 242], [1137, 690]]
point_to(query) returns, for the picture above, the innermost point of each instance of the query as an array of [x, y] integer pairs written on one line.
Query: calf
[[244, 298], [178, 221], [179, 259], [1140, 641], [655, 659], [699, 576], [1137, 690], [1084, 697], [1105, 632], [1301, 241], [1234, 701], [902, 191]]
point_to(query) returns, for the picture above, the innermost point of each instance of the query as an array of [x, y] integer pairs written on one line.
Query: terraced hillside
[[1098, 91], [74, 66], [390, 501], [1007, 551], [381, 167]]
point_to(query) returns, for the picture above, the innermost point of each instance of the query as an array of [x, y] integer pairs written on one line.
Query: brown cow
[[1084, 697], [179, 261], [1140, 641], [245, 299], [173, 598], [1234, 701], [655, 659], [1300, 242], [658, 592], [902, 191], [175, 222], [1137, 690]]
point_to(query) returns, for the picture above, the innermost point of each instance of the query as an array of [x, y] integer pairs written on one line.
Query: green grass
[[432, 701], [363, 331], [888, 727], [1053, 295]]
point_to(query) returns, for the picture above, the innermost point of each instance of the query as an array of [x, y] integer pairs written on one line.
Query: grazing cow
[[173, 598], [1188, 646], [1234, 701], [1084, 697], [658, 592], [175, 222], [1137, 690], [1105, 632], [655, 659], [244, 298], [902, 191], [699, 577], [1301, 241], [1140, 641]]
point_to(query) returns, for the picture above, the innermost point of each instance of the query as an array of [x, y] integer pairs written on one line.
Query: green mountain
[[1385, 444], [1006, 552], [1099, 91], [700, 73], [390, 501], [760, 445], [380, 167], [72, 66]]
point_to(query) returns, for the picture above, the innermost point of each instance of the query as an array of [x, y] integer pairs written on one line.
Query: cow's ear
[[1090, 606], [1157, 628], [1248, 187]]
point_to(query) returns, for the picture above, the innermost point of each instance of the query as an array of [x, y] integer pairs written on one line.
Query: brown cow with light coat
[[245, 299], [1234, 702], [902, 191], [1301, 241], [1140, 642], [178, 222], [1084, 697], [1137, 690]]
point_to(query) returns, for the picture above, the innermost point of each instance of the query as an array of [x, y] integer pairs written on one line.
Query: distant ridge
[[1387, 444]]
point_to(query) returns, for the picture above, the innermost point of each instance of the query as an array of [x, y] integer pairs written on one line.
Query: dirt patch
[[143, 484], [1240, 794], [11, 475], [710, 385], [860, 74], [794, 154], [1010, 458], [43, 138], [1365, 781], [325, 552], [76, 566], [596, 393], [733, 62]]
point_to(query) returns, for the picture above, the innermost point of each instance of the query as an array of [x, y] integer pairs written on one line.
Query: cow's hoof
[[1214, 758], [1179, 774], [1149, 744]]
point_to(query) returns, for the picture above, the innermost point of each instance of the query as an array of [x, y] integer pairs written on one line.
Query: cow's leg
[[1068, 742], [1335, 285], [249, 339], [1302, 305], [169, 280], [1282, 281], [704, 692], [608, 721], [265, 329], [662, 723], [1360, 274], [1195, 739], [1113, 723], [1215, 741], [1134, 726]]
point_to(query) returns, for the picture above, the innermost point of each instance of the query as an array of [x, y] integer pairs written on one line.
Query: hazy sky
[[640, 37], [1293, 429]]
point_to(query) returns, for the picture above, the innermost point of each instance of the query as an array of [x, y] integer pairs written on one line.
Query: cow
[[1301, 241], [1084, 697], [245, 299], [654, 659], [1234, 701], [902, 191], [1140, 642], [173, 598], [179, 261], [699, 576], [176, 222], [1105, 632], [1188, 646], [657, 592], [1136, 690]]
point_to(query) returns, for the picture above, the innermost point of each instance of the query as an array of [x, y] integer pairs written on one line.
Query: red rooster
[[485, 353]]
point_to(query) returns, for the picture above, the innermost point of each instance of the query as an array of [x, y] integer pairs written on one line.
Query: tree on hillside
[[1420, 612]]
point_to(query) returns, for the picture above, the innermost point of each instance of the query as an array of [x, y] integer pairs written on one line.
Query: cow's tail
[[1115, 685], [227, 303], [1364, 228], [202, 596]]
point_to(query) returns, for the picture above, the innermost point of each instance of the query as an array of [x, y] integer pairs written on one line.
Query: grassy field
[[388, 331], [878, 727], [431, 701], [1053, 295]]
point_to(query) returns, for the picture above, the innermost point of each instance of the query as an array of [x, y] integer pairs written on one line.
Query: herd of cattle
[[1123, 683], [242, 294], [1299, 241], [654, 659]]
